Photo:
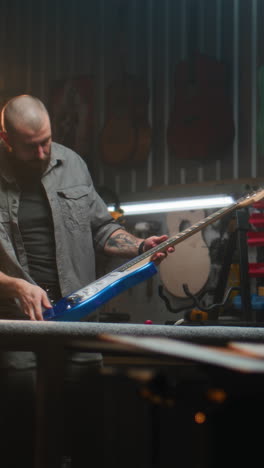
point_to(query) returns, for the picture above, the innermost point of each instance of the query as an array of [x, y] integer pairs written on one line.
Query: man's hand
[[32, 299], [124, 244], [154, 241]]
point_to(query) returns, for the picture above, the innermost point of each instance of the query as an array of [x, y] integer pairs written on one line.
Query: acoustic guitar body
[[126, 137], [190, 263], [143, 141], [118, 139], [201, 122]]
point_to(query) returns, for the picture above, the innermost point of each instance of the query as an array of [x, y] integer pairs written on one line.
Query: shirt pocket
[[75, 204]]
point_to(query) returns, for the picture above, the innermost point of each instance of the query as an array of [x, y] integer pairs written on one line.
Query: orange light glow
[[200, 417]]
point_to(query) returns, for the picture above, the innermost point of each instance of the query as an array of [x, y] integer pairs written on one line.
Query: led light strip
[[161, 206]]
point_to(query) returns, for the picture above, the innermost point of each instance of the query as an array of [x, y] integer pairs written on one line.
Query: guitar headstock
[[251, 198]]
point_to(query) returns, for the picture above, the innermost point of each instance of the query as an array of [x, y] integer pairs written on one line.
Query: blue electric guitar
[[86, 300]]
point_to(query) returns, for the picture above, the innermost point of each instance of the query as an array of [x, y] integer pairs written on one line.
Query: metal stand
[[243, 226], [238, 239]]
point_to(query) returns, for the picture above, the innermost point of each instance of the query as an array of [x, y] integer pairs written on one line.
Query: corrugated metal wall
[[43, 41]]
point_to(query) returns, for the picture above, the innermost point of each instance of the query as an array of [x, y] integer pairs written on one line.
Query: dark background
[[43, 43]]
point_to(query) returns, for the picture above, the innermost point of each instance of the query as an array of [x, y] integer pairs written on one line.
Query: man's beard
[[30, 169], [29, 173]]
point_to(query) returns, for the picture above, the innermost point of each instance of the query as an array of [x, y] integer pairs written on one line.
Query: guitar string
[[190, 230], [172, 241]]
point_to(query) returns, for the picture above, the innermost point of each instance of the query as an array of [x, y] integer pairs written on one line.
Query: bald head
[[24, 112], [27, 134]]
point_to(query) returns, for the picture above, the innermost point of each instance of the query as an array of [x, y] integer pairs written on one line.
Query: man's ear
[[4, 137]]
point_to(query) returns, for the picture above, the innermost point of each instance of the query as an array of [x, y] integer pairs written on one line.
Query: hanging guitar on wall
[[191, 265], [125, 139], [201, 123]]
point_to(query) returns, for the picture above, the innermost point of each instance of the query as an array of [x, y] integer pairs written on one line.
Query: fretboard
[[181, 236]]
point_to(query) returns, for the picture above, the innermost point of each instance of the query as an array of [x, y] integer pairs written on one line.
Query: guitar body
[[141, 122], [72, 113], [143, 141], [126, 136], [118, 140], [201, 122], [190, 263], [86, 300]]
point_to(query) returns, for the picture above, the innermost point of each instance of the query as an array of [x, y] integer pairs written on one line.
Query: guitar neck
[[181, 236], [87, 299]]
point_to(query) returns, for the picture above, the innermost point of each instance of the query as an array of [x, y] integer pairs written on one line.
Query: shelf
[[256, 270], [255, 238], [256, 219], [259, 205]]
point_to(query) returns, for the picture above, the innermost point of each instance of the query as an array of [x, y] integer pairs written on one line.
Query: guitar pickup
[[74, 299]]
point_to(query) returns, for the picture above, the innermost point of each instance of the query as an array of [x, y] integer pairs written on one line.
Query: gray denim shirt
[[82, 223]]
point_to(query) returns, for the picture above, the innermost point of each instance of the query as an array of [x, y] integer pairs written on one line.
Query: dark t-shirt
[[36, 227]]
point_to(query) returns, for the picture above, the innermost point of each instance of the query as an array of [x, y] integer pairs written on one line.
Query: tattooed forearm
[[122, 243]]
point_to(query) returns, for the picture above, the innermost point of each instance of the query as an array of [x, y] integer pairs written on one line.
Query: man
[[52, 224], [52, 221]]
